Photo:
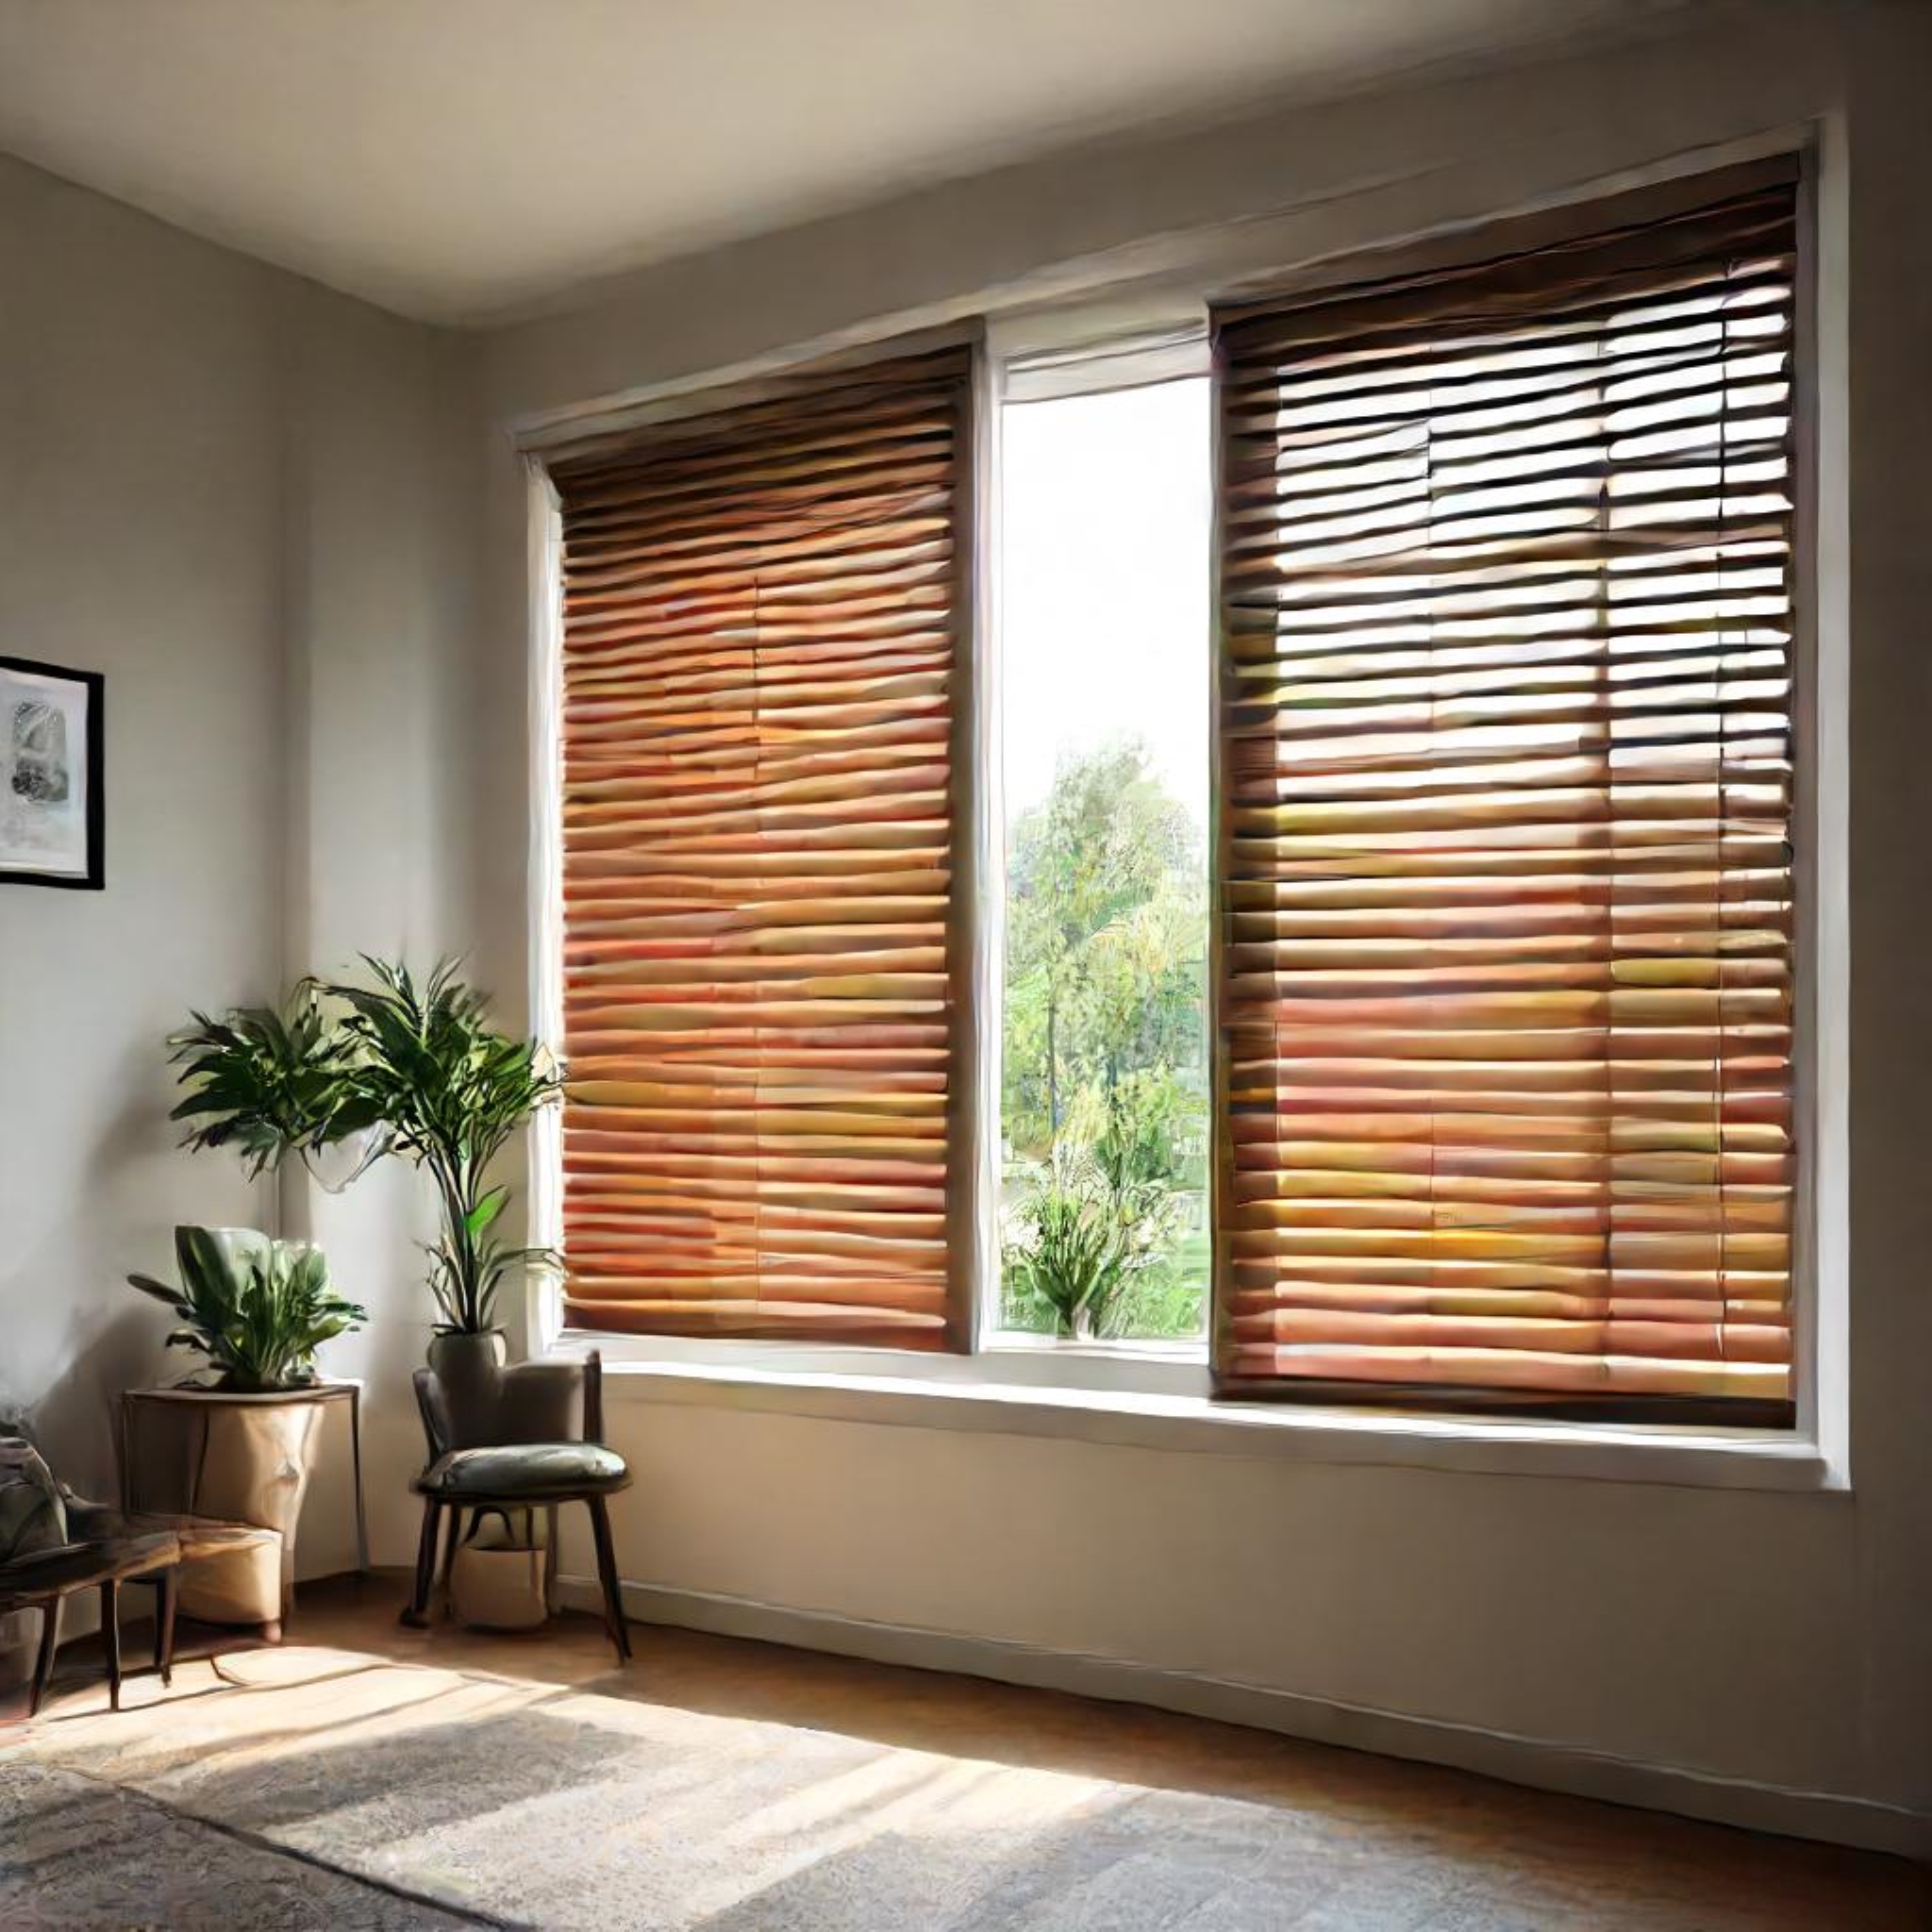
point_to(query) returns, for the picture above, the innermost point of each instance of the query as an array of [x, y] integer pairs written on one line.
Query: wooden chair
[[518, 1458]]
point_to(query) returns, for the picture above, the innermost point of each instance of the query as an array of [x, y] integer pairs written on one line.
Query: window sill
[[1154, 1397]]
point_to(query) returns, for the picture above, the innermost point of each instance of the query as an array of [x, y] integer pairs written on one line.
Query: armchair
[[531, 1443]]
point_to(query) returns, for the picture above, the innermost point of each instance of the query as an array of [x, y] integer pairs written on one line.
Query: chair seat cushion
[[525, 1472]]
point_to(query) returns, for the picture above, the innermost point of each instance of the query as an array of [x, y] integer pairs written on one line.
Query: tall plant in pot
[[453, 1089]]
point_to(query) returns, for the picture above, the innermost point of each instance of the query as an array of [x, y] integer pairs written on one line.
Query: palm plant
[[453, 1090], [269, 1082], [257, 1309]]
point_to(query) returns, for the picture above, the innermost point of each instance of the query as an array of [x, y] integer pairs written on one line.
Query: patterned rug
[[316, 1788]]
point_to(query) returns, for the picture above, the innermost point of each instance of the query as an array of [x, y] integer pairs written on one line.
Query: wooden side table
[[165, 1461], [47, 1579]]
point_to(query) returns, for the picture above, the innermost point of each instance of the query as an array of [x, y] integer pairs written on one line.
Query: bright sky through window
[[1104, 565]]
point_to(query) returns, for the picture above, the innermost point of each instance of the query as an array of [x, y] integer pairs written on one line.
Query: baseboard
[[1533, 1761]]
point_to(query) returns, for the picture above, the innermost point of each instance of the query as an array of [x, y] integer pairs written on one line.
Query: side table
[[243, 1458]]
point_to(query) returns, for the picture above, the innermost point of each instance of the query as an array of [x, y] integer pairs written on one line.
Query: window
[[1104, 698], [760, 943], [1505, 998], [1388, 794]]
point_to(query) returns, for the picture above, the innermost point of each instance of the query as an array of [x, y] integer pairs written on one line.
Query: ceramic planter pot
[[469, 1371]]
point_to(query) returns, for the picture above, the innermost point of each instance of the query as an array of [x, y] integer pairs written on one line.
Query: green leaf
[[453, 1090], [486, 1210]]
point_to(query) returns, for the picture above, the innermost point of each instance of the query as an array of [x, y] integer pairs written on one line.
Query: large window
[[1384, 788]]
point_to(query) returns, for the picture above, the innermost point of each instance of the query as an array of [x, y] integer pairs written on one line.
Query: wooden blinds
[[1505, 808], [760, 673]]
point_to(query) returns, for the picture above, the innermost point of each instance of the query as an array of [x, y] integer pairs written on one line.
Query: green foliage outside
[[1105, 1092]]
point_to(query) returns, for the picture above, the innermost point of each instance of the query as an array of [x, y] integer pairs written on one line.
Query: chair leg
[[168, 1591], [44, 1661], [111, 1638], [417, 1615], [452, 1538], [550, 1560], [607, 1571]]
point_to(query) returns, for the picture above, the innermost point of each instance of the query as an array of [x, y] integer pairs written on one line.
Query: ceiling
[[457, 160]]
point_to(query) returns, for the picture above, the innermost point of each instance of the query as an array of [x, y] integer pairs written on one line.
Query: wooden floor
[[1483, 1826]]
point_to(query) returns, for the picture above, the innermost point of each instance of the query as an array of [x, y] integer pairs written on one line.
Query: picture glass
[[45, 776]]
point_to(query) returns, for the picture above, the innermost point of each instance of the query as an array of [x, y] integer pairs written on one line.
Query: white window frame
[[1156, 1393], [1040, 355]]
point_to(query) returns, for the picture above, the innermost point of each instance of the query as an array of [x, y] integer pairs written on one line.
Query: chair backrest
[[531, 1401]]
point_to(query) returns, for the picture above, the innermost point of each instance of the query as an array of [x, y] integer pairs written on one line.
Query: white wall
[[223, 488], [1778, 1639]]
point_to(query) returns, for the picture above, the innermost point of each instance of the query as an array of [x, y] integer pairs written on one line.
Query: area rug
[[327, 1788], [533, 1805]]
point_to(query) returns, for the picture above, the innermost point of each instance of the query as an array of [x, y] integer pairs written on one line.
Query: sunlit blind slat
[[760, 639], [1506, 986]]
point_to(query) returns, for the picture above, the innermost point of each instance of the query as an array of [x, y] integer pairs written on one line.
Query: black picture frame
[[95, 809]]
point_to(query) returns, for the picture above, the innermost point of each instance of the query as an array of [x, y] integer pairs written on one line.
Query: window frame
[[1814, 1451], [1051, 354]]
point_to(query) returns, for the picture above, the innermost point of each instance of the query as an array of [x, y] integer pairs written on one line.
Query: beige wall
[[228, 489], [1777, 1640], [141, 432]]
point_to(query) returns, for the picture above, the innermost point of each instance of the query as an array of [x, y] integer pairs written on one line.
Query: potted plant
[[451, 1089], [241, 1448], [256, 1308], [266, 1082]]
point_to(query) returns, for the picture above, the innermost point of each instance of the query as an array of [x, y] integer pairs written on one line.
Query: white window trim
[[1155, 1395], [1044, 355]]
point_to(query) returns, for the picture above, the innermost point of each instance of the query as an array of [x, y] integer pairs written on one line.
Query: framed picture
[[51, 769]]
